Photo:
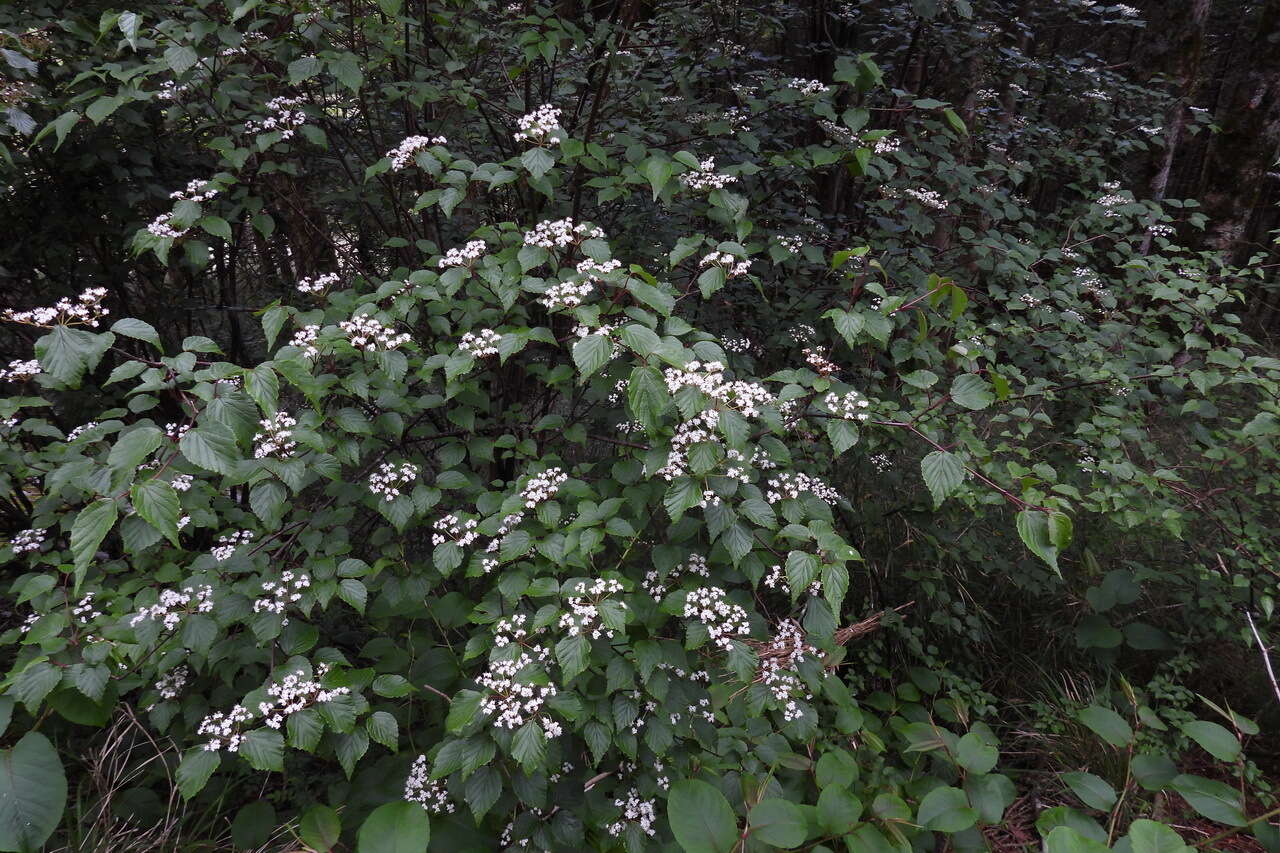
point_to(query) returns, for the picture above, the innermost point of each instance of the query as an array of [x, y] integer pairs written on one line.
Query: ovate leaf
[[33, 792]]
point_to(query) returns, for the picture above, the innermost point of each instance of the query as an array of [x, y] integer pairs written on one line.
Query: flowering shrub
[[554, 519]]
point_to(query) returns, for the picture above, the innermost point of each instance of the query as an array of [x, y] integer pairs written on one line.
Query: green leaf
[[91, 526], [195, 769], [838, 810], [842, 434], [180, 57], [211, 446], [972, 391], [647, 396], [1214, 800], [128, 23], [701, 818], [943, 474], [1147, 836], [134, 446], [1045, 533], [592, 353], [131, 328], [946, 809], [780, 823], [383, 729], [396, 827], [253, 825], [529, 746], [802, 569], [346, 68], [1094, 792], [1107, 724], [320, 828], [33, 793], [573, 653], [658, 171], [538, 161], [1064, 839], [65, 353], [976, 753], [263, 749], [848, 324], [303, 68], [1215, 739]]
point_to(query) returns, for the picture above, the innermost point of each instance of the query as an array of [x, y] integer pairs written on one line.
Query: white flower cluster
[[228, 544], [402, 155], [819, 362], [1096, 95], [481, 343], [792, 243], [705, 177], [558, 233], [788, 485], [389, 479], [294, 693], [540, 126], [701, 427], [1126, 11], [807, 87], [284, 117], [80, 430], [278, 595], [542, 487], [740, 346], [778, 662], [85, 310], [510, 630], [850, 406], [305, 340], [777, 579], [881, 462], [708, 377], [452, 528], [318, 284], [276, 438], [366, 333], [695, 565], [224, 729], [83, 611], [1160, 229], [25, 541], [464, 257], [511, 702], [1111, 198], [732, 266], [927, 197], [182, 482], [160, 227], [596, 270], [174, 431], [887, 145], [429, 793], [173, 682], [584, 610], [19, 370], [722, 619], [1029, 300], [196, 190], [635, 810], [509, 523], [173, 604], [567, 294], [802, 334]]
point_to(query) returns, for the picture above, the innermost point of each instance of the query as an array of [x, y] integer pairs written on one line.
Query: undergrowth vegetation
[[612, 427]]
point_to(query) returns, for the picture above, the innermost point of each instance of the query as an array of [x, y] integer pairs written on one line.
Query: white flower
[[480, 343], [278, 595], [420, 788], [25, 541], [366, 333], [305, 340], [705, 177], [542, 487], [511, 701], [402, 155], [787, 485], [172, 683], [558, 233], [284, 116], [275, 440], [927, 197], [850, 406], [540, 126], [319, 284], [390, 479], [173, 605], [808, 88], [722, 619], [86, 310], [731, 265], [635, 810], [464, 257], [20, 370]]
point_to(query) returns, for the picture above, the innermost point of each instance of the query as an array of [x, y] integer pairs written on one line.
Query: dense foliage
[[626, 426]]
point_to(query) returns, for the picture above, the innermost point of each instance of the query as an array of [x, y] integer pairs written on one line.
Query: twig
[[1266, 657]]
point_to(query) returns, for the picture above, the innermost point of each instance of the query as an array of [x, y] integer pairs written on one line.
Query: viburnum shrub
[[580, 458]]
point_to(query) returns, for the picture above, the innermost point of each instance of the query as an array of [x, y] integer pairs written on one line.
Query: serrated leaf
[[529, 746], [383, 728], [91, 526], [129, 327], [972, 391], [195, 769], [592, 353], [211, 446], [943, 473]]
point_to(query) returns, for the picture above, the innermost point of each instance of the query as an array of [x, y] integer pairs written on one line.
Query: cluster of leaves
[[606, 563]]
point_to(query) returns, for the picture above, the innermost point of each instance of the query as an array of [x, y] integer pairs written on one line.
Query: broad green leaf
[[320, 828], [592, 353], [976, 753], [1094, 792], [33, 792], [780, 823], [211, 446], [1147, 836], [194, 770], [972, 391], [1216, 740], [1213, 799], [943, 473], [946, 810], [396, 827], [838, 810], [91, 526], [529, 746], [129, 327], [1107, 724], [1064, 839], [701, 818]]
